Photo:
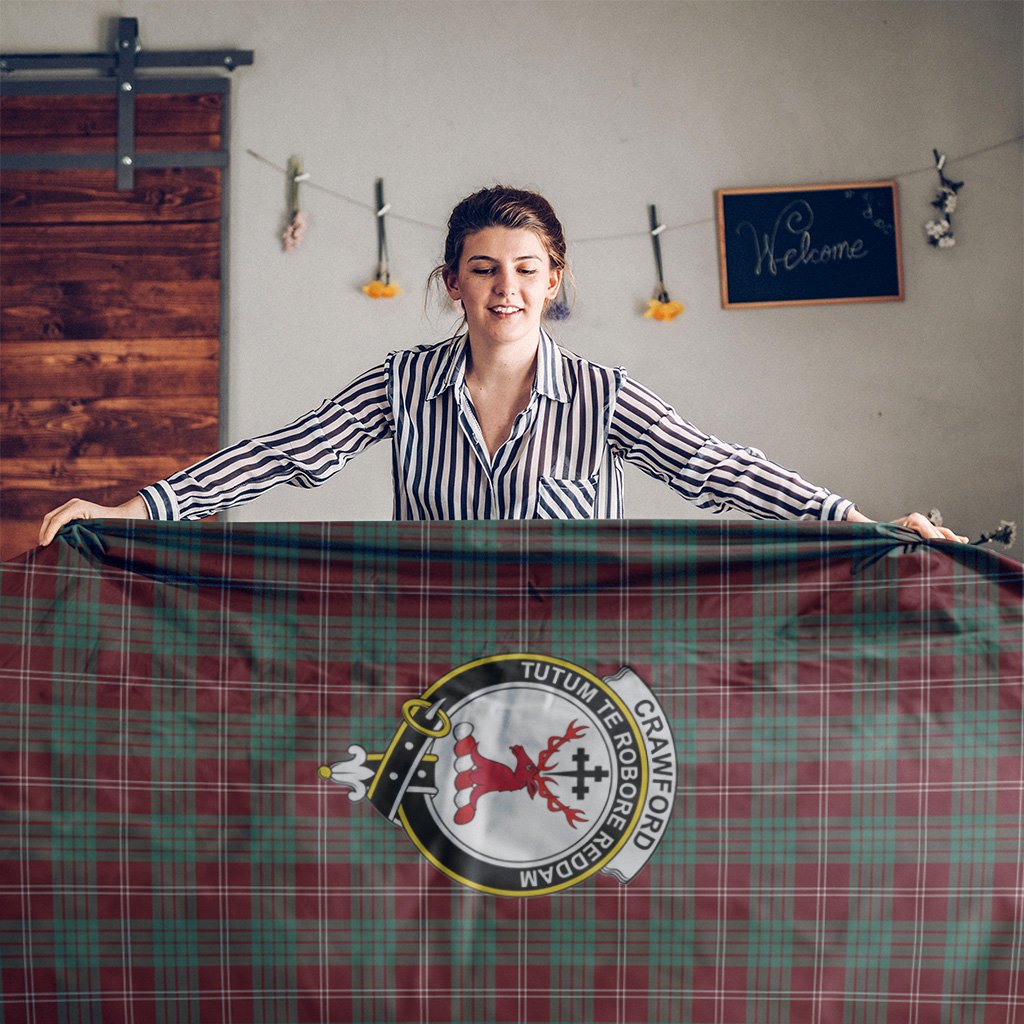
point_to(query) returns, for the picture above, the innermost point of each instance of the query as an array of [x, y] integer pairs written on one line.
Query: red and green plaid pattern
[[847, 841]]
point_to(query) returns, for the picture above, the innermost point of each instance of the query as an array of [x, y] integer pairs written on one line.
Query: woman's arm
[[714, 474], [76, 508], [305, 453], [711, 473]]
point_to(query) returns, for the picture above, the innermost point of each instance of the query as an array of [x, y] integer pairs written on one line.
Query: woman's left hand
[[918, 523]]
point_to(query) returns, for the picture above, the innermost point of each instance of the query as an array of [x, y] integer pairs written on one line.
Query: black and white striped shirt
[[562, 459]]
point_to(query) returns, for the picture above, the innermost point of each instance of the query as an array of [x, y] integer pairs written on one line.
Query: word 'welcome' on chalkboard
[[809, 245]]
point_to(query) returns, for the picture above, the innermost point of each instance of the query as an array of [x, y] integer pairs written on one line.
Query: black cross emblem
[[581, 773]]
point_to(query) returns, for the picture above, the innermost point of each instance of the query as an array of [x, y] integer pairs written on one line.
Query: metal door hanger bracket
[[122, 66]]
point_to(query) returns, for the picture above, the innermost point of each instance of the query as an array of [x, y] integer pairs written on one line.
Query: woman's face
[[504, 279]]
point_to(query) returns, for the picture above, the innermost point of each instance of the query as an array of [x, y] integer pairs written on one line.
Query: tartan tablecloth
[[533, 772]]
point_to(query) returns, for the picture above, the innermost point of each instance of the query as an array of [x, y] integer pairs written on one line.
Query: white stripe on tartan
[[721, 931], [123, 746], [1017, 950], [945, 683], [323, 756], [856, 584], [882, 892], [824, 732], [918, 957], [25, 887], [224, 917], [888, 998]]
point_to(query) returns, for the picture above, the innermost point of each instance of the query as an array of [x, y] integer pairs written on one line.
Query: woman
[[497, 422]]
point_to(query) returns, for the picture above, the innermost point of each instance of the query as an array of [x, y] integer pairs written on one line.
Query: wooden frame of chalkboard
[[810, 245]]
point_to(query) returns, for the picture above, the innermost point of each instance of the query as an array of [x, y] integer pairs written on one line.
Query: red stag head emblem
[[478, 775]]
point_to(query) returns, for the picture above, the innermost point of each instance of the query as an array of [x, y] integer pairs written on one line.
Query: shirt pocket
[[566, 498]]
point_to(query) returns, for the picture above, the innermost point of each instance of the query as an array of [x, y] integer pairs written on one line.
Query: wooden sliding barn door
[[110, 307], [112, 213]]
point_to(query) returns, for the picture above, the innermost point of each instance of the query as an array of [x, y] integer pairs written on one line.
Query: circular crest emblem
[[523, 774]]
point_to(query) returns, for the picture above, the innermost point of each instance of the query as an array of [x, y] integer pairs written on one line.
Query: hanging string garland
[[1005, 533], [381, 287], [660, 307], [940, 232]]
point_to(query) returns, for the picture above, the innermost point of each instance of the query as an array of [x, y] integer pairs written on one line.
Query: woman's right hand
[[76, 508]]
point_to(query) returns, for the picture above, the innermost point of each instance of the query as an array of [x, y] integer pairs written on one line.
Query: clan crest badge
[[523, 774]]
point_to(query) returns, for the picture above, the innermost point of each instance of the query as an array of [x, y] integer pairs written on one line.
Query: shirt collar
[[551, 372], [550, 379], [451, 370]]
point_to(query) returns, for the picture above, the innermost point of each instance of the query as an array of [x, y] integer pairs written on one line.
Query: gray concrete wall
[[606, 107]]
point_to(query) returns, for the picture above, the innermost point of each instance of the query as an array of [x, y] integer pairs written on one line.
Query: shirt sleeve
[[713, 474], [304, 453]]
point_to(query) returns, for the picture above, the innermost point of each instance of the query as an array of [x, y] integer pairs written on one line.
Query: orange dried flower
[[658, 310], [380, 290]]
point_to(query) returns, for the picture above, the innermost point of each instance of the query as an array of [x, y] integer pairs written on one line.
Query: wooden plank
[[18, 536], [108, 144], [58, 115], [163, 195], [73, 428], [33, 486], [125, 471], [78, 116], [97, 252], [110, 368], [118, 309]]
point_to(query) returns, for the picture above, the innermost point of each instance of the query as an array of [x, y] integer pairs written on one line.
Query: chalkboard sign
[[809, 245]]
